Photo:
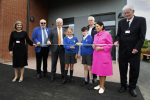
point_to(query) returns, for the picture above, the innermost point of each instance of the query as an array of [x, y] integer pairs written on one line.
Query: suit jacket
[[53, 38], [93, 32], [37, 37], [132, 40]]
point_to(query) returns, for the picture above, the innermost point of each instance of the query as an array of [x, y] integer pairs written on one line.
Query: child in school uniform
[[87, 53], [71, 54]]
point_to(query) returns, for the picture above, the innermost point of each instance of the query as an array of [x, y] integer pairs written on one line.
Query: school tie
[[59, 37], [44, 36], [128, 24]]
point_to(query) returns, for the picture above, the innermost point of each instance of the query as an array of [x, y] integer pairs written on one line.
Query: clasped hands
[[134, 50], [97, 48]]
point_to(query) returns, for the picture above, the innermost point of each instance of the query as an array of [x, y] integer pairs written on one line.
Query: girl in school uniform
[[87, 54], [71, 54]]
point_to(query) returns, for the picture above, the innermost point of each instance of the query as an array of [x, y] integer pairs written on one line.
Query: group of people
[[95, 50]]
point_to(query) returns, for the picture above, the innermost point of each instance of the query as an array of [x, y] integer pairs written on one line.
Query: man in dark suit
[[56, 36], [130, 39], [39, 36]]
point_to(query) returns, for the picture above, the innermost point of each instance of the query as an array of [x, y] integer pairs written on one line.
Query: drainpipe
[[28, 7]]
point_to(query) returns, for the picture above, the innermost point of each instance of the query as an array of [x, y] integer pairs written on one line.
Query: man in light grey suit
[[56, 36]]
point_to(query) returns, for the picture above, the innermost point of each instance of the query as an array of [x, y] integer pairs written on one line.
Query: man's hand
[[48, 43], [10, 52], [72, 47], [76, 56], [116, 43], [34, 45], [79, 43], [38, 43], [134, 51]]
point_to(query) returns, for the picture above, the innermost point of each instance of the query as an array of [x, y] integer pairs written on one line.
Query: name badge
[[127, 31], [17, 41]]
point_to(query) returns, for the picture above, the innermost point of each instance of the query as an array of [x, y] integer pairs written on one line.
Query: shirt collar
[[85, 36], [58, 28], [43, 28], [70, 37], [130, 19]]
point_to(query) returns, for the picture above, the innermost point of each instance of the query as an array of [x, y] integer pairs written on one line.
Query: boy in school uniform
[[87, 53], [71, 54]]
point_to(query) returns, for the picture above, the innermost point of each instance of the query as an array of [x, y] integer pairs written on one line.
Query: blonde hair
[[68, 29]]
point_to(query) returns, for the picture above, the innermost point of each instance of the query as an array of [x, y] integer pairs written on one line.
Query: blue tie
[[45, 38]]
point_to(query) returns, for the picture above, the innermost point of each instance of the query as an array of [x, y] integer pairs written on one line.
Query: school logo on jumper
[[73, 41], [86, 40], [47, 29]]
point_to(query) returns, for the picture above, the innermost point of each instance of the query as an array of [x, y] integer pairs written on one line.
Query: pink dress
[[102, 61]]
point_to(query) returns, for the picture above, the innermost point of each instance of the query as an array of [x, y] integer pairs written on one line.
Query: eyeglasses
[[90, 20], [43, 23]]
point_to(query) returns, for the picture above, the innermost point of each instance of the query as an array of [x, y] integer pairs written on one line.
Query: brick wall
[[16, 10]]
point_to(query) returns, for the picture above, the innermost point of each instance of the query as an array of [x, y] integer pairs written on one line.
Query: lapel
[[40, 32], [56, 32], [133, 22]]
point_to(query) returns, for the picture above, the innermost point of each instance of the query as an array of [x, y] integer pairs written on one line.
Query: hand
[[79, 43], [48, 43], [10, 52], [81, 59], [34, 45], [134, 51], [76, 56], [116, 43], [38, 43], [98, 48], [93, 46], [72, 47]]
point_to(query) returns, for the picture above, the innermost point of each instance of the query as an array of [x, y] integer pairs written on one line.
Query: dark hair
[[84, 29], [100, 24]]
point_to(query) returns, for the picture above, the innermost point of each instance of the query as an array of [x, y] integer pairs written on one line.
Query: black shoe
[[90, 87], [52, 79], [84, 83], [46, 75], [63, 82], [122, 89], [38, 76], [72, 81], [133, 92], [62, 76]]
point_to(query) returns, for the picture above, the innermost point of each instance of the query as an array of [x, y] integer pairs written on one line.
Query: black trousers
[[133, 72], [42, 54], [61, 52]]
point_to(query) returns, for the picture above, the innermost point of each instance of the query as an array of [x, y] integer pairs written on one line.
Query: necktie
[[128, 24], [44, 36], [59, 37]]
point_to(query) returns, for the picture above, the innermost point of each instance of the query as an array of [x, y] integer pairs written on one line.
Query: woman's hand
[[93, 46], [10, 52], [34, 45], [38, 43], [99, 48], [76, 56], [79, 43]]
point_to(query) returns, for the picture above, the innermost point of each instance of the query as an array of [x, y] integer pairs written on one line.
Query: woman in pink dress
[[102, 61]]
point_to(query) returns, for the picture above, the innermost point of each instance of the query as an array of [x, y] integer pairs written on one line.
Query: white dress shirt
[[70, 37], [61, 34], [90, 30], [85, 36], [130, 21]]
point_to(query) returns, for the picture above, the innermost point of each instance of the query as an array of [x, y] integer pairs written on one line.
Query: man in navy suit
[[39, 36], [130, 39]]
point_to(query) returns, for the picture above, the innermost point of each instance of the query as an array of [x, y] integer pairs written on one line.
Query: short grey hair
[[91, 17], [127, 7], [18, 22], [59, 19]]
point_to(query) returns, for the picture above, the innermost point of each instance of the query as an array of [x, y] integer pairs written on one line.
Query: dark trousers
[[61, 52], [42, 54], [133, 72]]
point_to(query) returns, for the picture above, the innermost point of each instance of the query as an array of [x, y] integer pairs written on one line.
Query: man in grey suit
[[56, 36]]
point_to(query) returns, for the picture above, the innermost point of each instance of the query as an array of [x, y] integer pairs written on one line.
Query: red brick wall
[[39, 10], [16, 10]]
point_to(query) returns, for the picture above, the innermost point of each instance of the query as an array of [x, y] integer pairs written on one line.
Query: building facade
[[74, 13]]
